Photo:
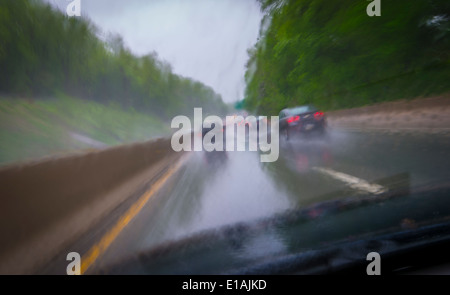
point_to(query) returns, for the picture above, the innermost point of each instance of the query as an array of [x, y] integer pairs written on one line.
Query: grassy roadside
[[33, 129]]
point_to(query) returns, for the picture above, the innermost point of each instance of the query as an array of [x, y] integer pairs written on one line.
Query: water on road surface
[[212, 190]]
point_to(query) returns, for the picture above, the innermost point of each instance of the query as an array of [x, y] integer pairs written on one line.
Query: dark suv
[[302, 119]]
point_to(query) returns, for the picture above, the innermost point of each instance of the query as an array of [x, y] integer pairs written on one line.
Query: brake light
[[318, 115], [293, 119]]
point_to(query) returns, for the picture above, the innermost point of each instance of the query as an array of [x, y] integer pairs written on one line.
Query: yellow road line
[[100, 248]]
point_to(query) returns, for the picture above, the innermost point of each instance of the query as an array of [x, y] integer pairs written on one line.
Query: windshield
[[223, 137]]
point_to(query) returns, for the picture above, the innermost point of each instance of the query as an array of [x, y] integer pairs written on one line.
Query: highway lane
[[211, 190]]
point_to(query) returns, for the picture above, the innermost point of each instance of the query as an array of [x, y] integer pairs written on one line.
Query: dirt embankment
[[423, 114]]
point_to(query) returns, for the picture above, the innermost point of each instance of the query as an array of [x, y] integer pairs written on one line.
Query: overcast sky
[[206, 40]]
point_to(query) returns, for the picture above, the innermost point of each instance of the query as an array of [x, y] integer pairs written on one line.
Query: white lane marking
[[352, 181]]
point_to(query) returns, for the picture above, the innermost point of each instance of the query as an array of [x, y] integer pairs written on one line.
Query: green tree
[[332, 54]]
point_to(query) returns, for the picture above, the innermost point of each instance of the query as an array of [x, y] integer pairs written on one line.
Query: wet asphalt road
[[211, 190]]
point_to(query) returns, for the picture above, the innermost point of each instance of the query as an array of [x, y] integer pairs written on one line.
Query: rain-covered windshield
[[222, 136]]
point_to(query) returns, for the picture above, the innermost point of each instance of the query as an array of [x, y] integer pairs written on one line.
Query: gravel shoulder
[[430, 115]]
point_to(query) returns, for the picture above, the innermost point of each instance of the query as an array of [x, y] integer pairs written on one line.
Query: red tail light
[[293, 119], [318, 115]]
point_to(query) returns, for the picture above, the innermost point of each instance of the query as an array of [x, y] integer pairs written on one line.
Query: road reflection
[[215, 159], [303, 154], [293, 173], [225, 210]]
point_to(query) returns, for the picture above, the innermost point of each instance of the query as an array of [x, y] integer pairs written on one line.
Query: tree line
[[332, 54], [43, 52]]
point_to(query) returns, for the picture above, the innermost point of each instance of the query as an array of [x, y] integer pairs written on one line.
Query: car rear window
[[302, 109]]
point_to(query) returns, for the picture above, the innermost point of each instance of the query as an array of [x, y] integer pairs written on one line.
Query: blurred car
[[301, 119]]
